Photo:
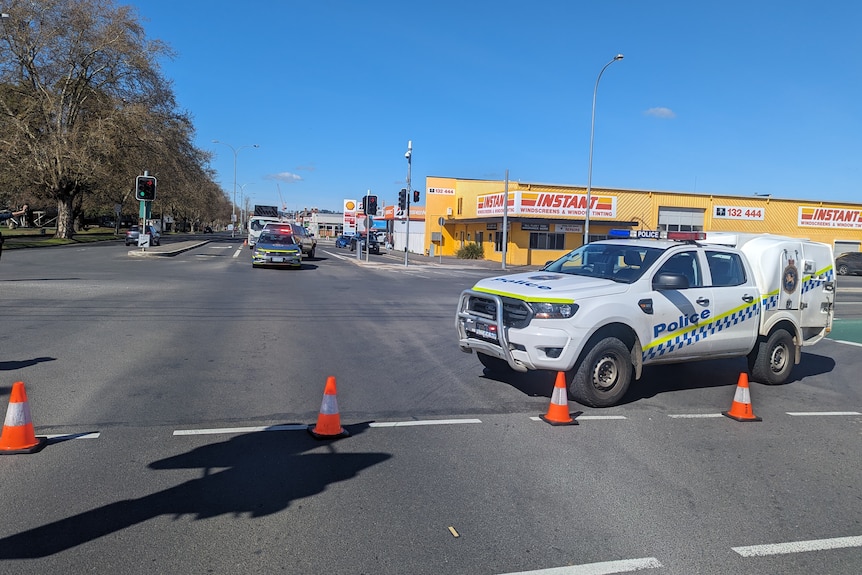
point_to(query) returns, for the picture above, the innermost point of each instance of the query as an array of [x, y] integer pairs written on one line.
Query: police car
[[605, 310], [277, 246]]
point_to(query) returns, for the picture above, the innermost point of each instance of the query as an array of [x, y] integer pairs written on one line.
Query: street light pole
[[592, 132], [235, 153]]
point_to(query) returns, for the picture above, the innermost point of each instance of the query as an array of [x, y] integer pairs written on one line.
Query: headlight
[[547, 310], [259, 253]]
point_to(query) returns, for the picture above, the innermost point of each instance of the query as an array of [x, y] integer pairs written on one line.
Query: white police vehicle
[[605, 310]]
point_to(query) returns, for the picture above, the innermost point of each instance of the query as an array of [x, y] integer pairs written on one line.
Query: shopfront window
[[547, 241]]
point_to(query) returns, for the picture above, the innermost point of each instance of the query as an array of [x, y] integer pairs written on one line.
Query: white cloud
[[660, 113], [286, 177]]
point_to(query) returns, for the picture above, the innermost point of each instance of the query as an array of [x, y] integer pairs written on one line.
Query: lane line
[[291, 427], [422, 422], [65, 436], [237, 252], [804, 413], [798, 546], [602, 568], [587, 417], [693, 415]]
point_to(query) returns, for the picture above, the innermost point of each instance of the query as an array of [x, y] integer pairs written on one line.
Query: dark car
[[342, 241], [373, 244], [134, 232], [849, 263]]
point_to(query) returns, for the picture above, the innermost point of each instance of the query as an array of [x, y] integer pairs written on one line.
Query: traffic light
[[371, 205], [415, 196], [402, 199], [145, 188]]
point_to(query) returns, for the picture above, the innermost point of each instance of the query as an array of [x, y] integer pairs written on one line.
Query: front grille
[[516, 313]]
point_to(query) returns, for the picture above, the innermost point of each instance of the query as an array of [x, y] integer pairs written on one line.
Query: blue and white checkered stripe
[[698, 333]]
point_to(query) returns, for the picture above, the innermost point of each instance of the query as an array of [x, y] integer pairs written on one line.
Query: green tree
[[84, 107]]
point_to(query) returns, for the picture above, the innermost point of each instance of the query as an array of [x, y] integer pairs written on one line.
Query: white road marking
[[237, 252], [291, 427], [803, 413], [587, 417], [64, 436], [798, 546], [694, 415], [603, 568], [422, 422]]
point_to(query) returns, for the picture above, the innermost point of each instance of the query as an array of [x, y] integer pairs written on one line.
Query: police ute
[[642, 297]]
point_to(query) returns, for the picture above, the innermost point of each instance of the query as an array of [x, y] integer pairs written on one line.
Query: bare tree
[[83, 105]]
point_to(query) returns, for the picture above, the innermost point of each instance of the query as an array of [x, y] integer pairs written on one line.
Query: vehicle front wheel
[[772, 360], [604, 375], [843, 270], [494, 364]]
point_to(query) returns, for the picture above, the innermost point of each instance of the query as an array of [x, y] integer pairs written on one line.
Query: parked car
[[134, 232], [342, 241], [208, 230], [849, 263], [373, 244], [277, 247]]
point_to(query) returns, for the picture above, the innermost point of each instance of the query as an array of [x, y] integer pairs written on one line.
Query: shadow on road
[[266, 472]]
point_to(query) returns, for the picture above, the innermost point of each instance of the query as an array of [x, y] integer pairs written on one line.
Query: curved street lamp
[[592, 132], [235, 152]]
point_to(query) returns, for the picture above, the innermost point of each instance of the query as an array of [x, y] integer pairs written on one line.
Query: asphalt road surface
[[177, 391]]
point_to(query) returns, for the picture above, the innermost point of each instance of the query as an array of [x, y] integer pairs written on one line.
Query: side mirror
[[668, 281]]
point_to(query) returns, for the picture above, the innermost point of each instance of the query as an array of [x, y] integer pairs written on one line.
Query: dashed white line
[[693, 415], [603, 568], [798, 546], [422, 422], [805, 413], [291, 427], [65, 436], [587, 417]]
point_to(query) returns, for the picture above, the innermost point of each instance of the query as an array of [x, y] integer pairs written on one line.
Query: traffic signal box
[[402, 199], [371, 205], [145, 188], [415, 196]]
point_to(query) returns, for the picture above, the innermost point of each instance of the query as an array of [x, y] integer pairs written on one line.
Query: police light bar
[[657, 235]]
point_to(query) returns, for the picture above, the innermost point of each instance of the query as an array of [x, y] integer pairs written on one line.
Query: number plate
[[481, 329], [277, 260]]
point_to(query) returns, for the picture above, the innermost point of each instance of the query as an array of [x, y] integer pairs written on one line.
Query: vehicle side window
[[684, 263], [726, 269]]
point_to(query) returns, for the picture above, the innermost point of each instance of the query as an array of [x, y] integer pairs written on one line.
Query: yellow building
[[546, 221]]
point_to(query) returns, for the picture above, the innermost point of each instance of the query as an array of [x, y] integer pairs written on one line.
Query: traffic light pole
[[409, 156], [145, 211]]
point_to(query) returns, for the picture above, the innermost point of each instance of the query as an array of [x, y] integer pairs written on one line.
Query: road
[[177, 392]]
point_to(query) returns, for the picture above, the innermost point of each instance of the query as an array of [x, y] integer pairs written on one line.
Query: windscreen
[[621, 263]]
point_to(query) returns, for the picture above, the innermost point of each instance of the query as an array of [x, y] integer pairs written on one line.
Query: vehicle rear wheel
[[494, 364], [772, 361], [311, 254], [604, 375]]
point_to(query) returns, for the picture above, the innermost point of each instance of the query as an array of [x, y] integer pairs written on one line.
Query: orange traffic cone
[[328, 421], [558, 411], [740, 409], [18, 435]]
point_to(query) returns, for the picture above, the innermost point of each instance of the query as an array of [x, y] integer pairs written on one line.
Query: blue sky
[[732, 97]]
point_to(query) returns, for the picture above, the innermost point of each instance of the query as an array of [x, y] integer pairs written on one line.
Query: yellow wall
[[456, 201]]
